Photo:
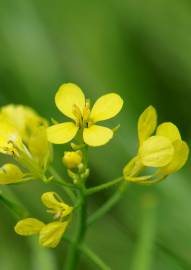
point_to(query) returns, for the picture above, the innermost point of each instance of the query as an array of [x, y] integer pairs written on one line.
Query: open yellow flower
[[165, 150], [56, 205], [50, 234], [71, 101]]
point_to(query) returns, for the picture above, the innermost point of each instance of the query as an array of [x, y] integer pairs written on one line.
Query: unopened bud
[[72, 159]]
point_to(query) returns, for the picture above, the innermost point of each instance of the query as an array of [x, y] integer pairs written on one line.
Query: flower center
[[82, 117]]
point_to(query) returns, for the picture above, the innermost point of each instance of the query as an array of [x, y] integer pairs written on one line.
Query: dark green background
[[141, 50]]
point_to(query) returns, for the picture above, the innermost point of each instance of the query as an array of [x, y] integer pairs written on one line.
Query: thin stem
[[133, 168], [143, 255], [109, 204], [73, 255], [99, 188], [61, 181], [16, 208], [90, 254], [94, 258]]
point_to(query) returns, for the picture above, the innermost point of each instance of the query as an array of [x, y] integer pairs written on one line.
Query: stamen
[[86, 112]]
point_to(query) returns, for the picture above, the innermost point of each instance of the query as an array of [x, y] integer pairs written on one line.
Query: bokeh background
[[141, 50]]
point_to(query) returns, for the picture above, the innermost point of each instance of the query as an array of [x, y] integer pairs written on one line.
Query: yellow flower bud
[[51, 234], [29, 226], [72, 159]]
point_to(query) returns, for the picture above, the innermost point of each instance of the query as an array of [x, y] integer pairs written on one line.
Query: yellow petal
[[51, 199], [97, 135], [10, 173], [156, 151], [147, 123], [169, 130], [106, 107], [179, 159], [62, 133], [68, 95], [28, 226], [52, 233], [39, 146]]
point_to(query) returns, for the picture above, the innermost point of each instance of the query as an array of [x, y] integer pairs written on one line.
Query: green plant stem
[[61, 181], [108, 205], [74, 254], [16, 208], [133, 168], [143, 254], [94, 258], [90, 254], [99, 188]]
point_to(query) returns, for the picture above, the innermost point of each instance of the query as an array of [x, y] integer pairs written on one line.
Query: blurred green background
[[141, 50]]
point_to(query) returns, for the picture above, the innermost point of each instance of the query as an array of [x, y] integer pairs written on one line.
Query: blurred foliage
[[140, 49]]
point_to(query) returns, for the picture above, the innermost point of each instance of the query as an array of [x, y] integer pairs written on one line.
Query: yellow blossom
[[23, 136], [71, 101], [164, 150], [72, 159], [56, 205], [49, 234]]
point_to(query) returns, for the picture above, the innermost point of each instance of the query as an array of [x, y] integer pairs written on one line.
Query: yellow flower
[[72, 159], [165, 150], [50, 234], [56, 205], [71, 101]]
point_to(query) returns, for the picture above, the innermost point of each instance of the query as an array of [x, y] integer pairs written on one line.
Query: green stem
[[61, 181], [17, 209], [133, 168], [93, 190], [109, 204], [143, 255], [94, 258], [73, 255], [90, 254]]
